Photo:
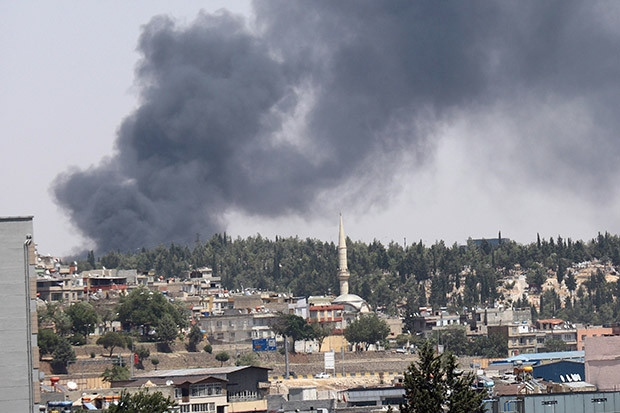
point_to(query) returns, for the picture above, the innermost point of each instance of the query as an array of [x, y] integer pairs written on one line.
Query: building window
[[200, 390], [203, 407]]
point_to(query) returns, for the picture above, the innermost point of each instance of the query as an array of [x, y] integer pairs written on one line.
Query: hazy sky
[[423, 120]]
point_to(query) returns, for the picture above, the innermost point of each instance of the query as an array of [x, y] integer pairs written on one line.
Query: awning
[[89, 406]]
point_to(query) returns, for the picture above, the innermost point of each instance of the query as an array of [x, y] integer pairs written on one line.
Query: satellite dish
[[71, 385], [169, 382]]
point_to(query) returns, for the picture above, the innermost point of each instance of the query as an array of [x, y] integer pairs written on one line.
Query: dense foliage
[[83, 317], [116, 373], [146, 310], [387, 275], [143, 402], [112, 340], [454, 340], [368, 329], [433, 384]]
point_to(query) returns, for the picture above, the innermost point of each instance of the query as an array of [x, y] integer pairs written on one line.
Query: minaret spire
[[343, 270]]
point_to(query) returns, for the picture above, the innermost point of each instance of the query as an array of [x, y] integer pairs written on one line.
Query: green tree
[[293, 327], [555, 344], [433, 384], [320, 332], [195, 337], [47, 341], [112, 340], [247, 359], [143, 354], [571, 282], [403, 339], [453, 339], [208, 348], [222, 357], [83, 317], [145, 309], [116, 373], [536, 278], [367, 329], [143, 402], [167, 330], [493, 346], [62, 356]]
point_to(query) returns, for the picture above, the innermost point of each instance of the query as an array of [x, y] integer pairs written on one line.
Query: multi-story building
[[60, 288], [331, 316], [236, 326], [558, 329], [521, 338], [19, 355], [582, 333], [212, 390], [495, 316], [107, 281]]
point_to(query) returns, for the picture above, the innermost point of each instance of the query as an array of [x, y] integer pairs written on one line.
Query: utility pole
[[286, 357]]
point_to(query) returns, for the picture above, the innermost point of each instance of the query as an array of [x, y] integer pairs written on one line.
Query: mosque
[[353, 304]]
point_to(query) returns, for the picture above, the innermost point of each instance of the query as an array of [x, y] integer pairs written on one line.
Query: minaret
[[343, 271]]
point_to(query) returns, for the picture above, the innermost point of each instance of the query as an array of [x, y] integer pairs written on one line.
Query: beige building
[[602, 359]]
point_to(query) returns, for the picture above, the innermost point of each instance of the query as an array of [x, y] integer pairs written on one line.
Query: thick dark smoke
[[265, 119]]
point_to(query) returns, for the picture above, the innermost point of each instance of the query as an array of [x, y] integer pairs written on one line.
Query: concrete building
[[602, 357], [19, 357], [521, 338], [236, 326], [499, 316], [241, 388], [582, 333]]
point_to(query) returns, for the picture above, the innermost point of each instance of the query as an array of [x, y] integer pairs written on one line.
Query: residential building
[[236, 326], [216, 389], [582, 333], [558, 329], [53, 288], [521, 338], [502, 315], [19, 358], [331, 316]]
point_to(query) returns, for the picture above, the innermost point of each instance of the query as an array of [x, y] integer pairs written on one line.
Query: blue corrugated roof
[[534, 357]]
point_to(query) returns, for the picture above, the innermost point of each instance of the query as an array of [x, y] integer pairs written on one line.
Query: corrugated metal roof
[[196, 372], [533, 357]]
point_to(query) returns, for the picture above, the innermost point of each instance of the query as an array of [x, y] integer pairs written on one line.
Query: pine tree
[[433, 384]]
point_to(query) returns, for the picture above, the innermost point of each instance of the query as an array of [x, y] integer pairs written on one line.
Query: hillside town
[[104, 333]]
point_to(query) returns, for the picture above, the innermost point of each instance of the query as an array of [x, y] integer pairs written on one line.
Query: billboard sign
[[264, 344], [330, 360]]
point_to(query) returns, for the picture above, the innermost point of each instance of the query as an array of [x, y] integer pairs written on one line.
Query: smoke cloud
[[264, 116]]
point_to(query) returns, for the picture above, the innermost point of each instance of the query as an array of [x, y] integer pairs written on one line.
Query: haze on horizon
[[424, 120]]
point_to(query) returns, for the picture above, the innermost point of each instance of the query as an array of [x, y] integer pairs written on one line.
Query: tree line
[[384, 275]]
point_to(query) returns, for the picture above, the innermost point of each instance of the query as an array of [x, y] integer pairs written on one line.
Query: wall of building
[[582, 333], [19, 381], [602, 358]]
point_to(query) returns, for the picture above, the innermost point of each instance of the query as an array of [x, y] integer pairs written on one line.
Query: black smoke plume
[[264, 116]]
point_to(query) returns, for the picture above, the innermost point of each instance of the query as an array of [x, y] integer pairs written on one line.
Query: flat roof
[[532, 357], [197, 371], [18, 218]]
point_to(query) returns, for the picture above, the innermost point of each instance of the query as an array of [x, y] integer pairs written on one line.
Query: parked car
[[322, 375]]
